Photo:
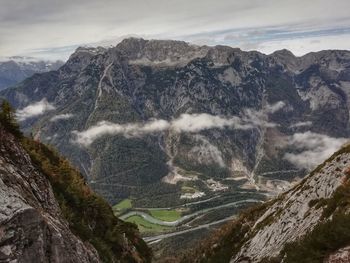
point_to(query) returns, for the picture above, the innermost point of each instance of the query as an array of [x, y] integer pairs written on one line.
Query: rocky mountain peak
[[161, 52], [88, 51], [171, 53], [82, 56], [283, 53]]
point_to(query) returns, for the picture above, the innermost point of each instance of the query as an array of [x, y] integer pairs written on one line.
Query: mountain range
[[165, 124], [15, 69]]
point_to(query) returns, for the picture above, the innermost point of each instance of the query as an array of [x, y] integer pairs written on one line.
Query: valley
[[157, 224], [180, 138], [174, 131]]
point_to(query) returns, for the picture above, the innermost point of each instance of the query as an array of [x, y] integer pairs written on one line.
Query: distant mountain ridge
[[15, 69], [141, 79]]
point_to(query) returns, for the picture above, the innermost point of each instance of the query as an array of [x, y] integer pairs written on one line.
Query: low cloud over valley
[[314, 148], [192, 123], [34, 110]]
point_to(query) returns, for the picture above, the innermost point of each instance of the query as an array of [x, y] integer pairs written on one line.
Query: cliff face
[[296, 212], [33, 227], [308, 223]]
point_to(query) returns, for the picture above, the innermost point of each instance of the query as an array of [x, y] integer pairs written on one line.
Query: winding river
[[185, 218]]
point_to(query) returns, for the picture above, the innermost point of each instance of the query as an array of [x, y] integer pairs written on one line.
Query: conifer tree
[[8, 118]]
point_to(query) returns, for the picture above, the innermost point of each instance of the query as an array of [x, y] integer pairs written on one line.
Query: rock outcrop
[[32, 227], [293, 215], [308, 223]]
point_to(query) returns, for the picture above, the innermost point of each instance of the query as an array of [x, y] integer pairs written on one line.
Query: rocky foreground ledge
[[45, 219]]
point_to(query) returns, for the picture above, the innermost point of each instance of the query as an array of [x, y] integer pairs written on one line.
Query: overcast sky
[[53, 29]]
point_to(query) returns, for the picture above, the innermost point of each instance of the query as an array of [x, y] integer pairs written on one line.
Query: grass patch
[[166, 215], [145, 226], [125, 204]]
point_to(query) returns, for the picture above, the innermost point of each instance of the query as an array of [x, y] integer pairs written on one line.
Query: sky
[[53, 29]]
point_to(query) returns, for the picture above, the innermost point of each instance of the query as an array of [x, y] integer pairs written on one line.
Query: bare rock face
[[292, 216], [31, 226], [160, 52]]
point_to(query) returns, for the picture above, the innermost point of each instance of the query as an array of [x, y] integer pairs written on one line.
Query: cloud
[[314, 148], [191, 123], [61, 117], [301, 46], [272, 108], [301, 124], [204, 121], [34, 110], [258, 118], [129, 130]]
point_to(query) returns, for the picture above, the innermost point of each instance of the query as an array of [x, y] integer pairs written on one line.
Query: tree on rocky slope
[[8, 118]]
